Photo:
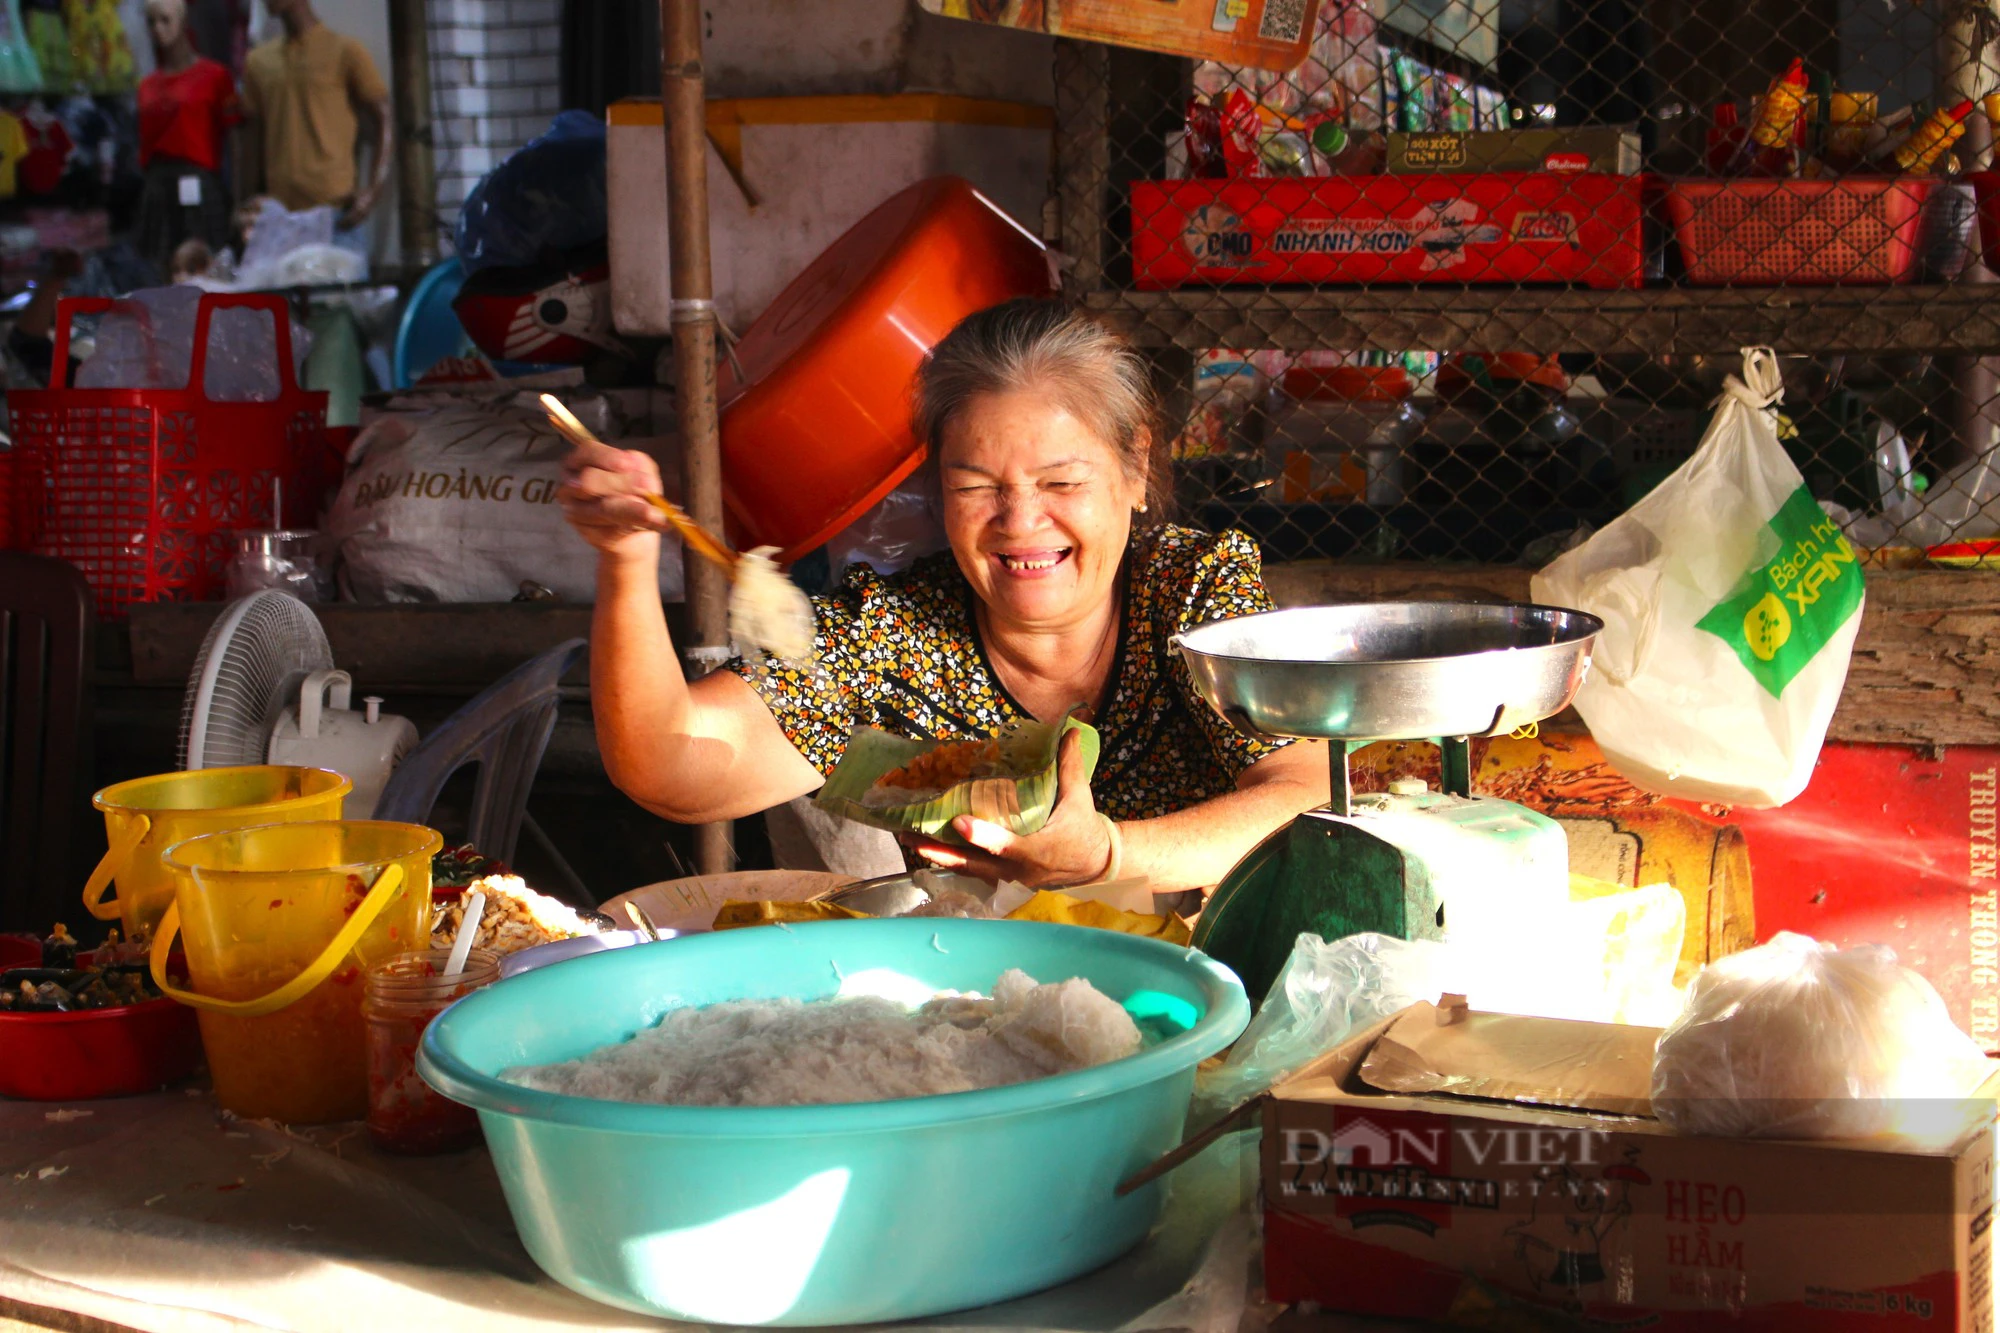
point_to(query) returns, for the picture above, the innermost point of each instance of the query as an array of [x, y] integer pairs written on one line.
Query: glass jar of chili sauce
[[400, 999]]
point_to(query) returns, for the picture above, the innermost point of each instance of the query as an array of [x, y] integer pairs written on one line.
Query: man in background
[[309, 94]]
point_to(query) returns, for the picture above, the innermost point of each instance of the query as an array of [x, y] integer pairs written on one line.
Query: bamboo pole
[[693, 314], [416, 176]]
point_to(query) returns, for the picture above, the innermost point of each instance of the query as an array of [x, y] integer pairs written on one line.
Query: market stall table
[[163, 1214]]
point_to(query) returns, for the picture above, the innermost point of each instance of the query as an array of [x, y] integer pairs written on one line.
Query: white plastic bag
[[1799, 1040], [459, 505], [1730, 603]]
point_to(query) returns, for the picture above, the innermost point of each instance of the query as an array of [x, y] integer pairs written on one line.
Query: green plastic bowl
[[830, 1214]]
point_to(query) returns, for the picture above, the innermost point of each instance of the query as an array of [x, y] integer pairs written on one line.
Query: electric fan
[[264, 690]]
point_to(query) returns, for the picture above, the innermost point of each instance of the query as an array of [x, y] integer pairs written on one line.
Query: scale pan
[[1374, 671]]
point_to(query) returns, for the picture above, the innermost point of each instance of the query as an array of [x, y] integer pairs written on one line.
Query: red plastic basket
[[142, 488], [1855, 231]]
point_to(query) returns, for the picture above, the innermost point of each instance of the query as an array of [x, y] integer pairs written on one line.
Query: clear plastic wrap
[[1325, 993], [1607, 957], [901, 527], [146, 341], [1799, 1040], [277, 232]]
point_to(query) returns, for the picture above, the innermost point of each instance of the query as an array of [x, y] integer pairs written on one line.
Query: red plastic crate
[[141, 489], [1864, 231], [1496, 226]]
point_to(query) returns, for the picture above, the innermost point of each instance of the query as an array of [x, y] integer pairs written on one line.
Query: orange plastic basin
[[818, 427]]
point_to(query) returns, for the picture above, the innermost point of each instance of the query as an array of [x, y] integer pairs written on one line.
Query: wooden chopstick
[[704, 543]]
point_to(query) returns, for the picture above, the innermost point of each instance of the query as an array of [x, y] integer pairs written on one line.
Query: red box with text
[[1495, 226]]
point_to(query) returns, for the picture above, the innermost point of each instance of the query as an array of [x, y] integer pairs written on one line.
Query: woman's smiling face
[[1037, 507]]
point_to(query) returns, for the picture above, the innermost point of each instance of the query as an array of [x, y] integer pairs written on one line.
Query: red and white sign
[[1512, 227]]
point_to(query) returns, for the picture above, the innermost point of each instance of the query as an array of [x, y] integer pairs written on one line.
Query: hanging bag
[[1730, 603]]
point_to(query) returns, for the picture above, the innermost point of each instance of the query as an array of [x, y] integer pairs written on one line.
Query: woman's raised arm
[[692, 753]]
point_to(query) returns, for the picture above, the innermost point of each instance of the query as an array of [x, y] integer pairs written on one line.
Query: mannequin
[[310, 93], [186, 108]]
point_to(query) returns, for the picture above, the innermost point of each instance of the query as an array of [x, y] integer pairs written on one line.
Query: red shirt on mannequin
[[184, 114]]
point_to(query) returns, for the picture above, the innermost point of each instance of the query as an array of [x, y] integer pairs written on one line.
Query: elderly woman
[[1062, 587]]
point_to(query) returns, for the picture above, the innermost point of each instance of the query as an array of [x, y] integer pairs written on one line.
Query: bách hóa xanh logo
[[1786, 610]]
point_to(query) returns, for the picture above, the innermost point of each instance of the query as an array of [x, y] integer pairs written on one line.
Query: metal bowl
[[556, 951], [1375, 671]]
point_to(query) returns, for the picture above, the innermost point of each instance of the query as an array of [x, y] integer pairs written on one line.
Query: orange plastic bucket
[[281, 922], [817, 427]]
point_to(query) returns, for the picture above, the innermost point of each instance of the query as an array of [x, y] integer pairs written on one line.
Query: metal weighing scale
[[1412, 863]]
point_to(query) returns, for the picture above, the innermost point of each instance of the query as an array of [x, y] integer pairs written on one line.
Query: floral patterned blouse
[[903, 653]]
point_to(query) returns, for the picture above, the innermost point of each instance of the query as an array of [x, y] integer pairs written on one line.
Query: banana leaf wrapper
[[1019, 805]]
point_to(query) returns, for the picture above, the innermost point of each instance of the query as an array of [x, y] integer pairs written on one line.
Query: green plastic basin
[[830, 1214]]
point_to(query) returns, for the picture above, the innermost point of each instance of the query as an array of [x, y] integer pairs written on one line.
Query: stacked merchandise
[[1810, 184], [1278, 180], [1331, 113]]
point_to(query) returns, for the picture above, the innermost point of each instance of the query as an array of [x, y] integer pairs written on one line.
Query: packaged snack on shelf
[[1455, 110], [1929, 142], [1774, 132], [1850, 118], [1202, 135], [1228, 386], [1608, 149], [1415, 95], [1241, 128]]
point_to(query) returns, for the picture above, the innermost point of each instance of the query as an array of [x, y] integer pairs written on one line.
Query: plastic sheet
[[547, 198], [276, 233], [1799, 1040], [1608, 957], [900, 527], [153, 1213]]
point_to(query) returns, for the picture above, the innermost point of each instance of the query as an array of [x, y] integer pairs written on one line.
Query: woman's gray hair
[[1039, 343]]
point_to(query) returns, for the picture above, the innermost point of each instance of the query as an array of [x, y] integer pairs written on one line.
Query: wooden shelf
[[1924, 665], [1949, 320]]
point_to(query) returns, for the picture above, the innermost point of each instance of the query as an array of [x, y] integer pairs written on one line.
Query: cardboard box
[[1488, 1205], [1270, 34], [1600, 148], [1509, 227]]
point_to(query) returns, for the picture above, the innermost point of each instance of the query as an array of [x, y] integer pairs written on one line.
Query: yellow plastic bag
[[734, 914], [1061, 909]]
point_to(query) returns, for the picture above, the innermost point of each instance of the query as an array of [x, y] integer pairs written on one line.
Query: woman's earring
[[1139, 508]]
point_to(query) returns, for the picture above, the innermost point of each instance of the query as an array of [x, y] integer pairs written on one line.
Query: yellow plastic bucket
[[144, 817], [280, 924]]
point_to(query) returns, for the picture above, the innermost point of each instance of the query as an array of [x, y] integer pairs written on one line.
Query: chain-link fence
[[1381, 338]]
